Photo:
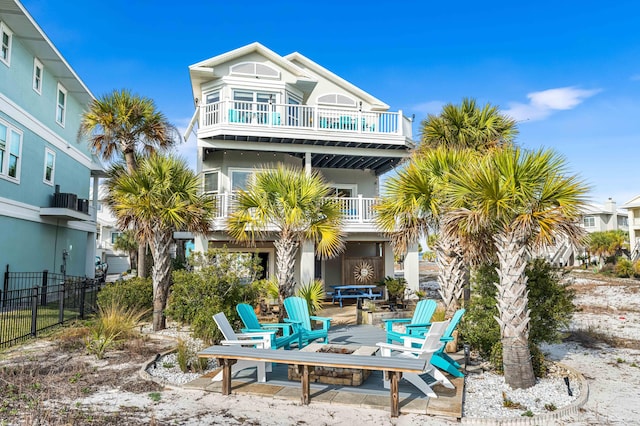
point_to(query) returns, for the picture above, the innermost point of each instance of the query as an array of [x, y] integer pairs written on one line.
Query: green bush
[[636, 269], [313, 293], [624, 268], [550, 303], [217, 282], [135, 293]]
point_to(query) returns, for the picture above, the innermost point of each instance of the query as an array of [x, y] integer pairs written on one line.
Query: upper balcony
[[358, 212], [269, 122]]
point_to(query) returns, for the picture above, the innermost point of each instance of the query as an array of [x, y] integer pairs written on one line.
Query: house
[[46, 220], [255, 108], [593, 218], [633, 220], [107, 233]]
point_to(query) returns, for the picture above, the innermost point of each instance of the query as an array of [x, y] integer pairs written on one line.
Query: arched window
[[255, 69], [337, 99]]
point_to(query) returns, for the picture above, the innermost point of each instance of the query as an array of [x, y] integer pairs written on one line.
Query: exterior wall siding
[[28, 246]]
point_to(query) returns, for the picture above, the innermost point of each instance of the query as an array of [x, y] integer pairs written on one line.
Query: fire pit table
[[334, 375]]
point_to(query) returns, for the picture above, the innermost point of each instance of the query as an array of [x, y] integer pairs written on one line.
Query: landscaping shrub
[[217, 282], [114, 323], [550, 302], [624, 268], [636, 268], [313, 293], [135, 293]]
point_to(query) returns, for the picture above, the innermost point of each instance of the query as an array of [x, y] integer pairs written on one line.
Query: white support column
[[387, 253], [201, 244], [307, 163], [307, 262], [412, 268]]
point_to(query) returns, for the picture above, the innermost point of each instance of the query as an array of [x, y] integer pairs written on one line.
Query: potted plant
[[395, 288]]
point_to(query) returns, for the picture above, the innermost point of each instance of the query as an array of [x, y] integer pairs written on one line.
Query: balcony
[[359, 213], [315, 122], [68, 206]]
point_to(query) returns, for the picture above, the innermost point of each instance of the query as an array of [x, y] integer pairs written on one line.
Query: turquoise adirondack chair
[[416, 325], [440, 359], [298, 313], [251, 324]]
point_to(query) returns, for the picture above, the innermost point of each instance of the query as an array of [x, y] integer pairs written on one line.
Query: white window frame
[[48, 152], [352, 186], [231, 170], [4, 165], [591, 220], [61, 110], [206, 172], [4, 30], [37, 81]]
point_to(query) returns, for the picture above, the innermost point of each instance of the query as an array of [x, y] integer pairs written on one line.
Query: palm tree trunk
[[453, 275], [512, 302], [161, 275], [286, 250]]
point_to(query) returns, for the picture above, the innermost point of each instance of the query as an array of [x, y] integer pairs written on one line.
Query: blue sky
[[569, 71]]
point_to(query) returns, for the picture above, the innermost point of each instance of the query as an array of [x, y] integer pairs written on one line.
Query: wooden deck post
[[394, 379], [226, 374], [304, 380]]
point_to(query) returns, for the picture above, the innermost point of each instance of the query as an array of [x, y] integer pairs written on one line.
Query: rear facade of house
[[256, 109], [46, 218]]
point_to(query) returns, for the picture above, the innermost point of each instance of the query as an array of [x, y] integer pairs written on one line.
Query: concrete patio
[[371, 394]]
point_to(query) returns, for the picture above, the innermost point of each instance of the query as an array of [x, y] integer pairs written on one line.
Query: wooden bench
[[393, 367]]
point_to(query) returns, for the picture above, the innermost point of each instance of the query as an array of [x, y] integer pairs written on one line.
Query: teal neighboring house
[[46, 218]]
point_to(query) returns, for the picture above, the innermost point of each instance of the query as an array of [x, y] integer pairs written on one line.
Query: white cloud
[[426, 108], [544, 103]]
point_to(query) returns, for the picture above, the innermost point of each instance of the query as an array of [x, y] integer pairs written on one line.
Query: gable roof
[[25, 28], [376, 103], [207, 69]]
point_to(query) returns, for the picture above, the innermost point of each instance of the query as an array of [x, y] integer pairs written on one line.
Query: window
[[38, 70], [589, 222], [10, 151], [623, 221], [210, 181], [49, 166], [115, 236], [337, 99], [254, 106], [5, 48], [240, 179], [255, 69], [61, 106], [344, 190], [211, 98]]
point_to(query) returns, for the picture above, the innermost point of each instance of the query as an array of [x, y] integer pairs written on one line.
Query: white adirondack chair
[[428, 345], [260, 340]]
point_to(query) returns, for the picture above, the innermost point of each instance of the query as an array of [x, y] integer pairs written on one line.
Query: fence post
[[83, 290], [45, 282], [5, 287], [34, 311], [61, 304]]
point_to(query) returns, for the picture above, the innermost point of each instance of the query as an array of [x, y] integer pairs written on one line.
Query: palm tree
[[526, 201], [411, 206], [156, 199], [121, 124], [462, 127], [295, 205], [468, 126]]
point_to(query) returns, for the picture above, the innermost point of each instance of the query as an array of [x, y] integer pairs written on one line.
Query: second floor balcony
[[358, 212], [303, 121]]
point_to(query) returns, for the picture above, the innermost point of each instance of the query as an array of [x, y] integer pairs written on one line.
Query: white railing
[[303, 116], [355, 209]]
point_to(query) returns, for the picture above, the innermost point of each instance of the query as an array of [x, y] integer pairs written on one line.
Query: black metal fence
[[31, 302]]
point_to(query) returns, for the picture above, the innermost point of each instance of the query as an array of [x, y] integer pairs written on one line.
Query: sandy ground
[[613, 375]]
